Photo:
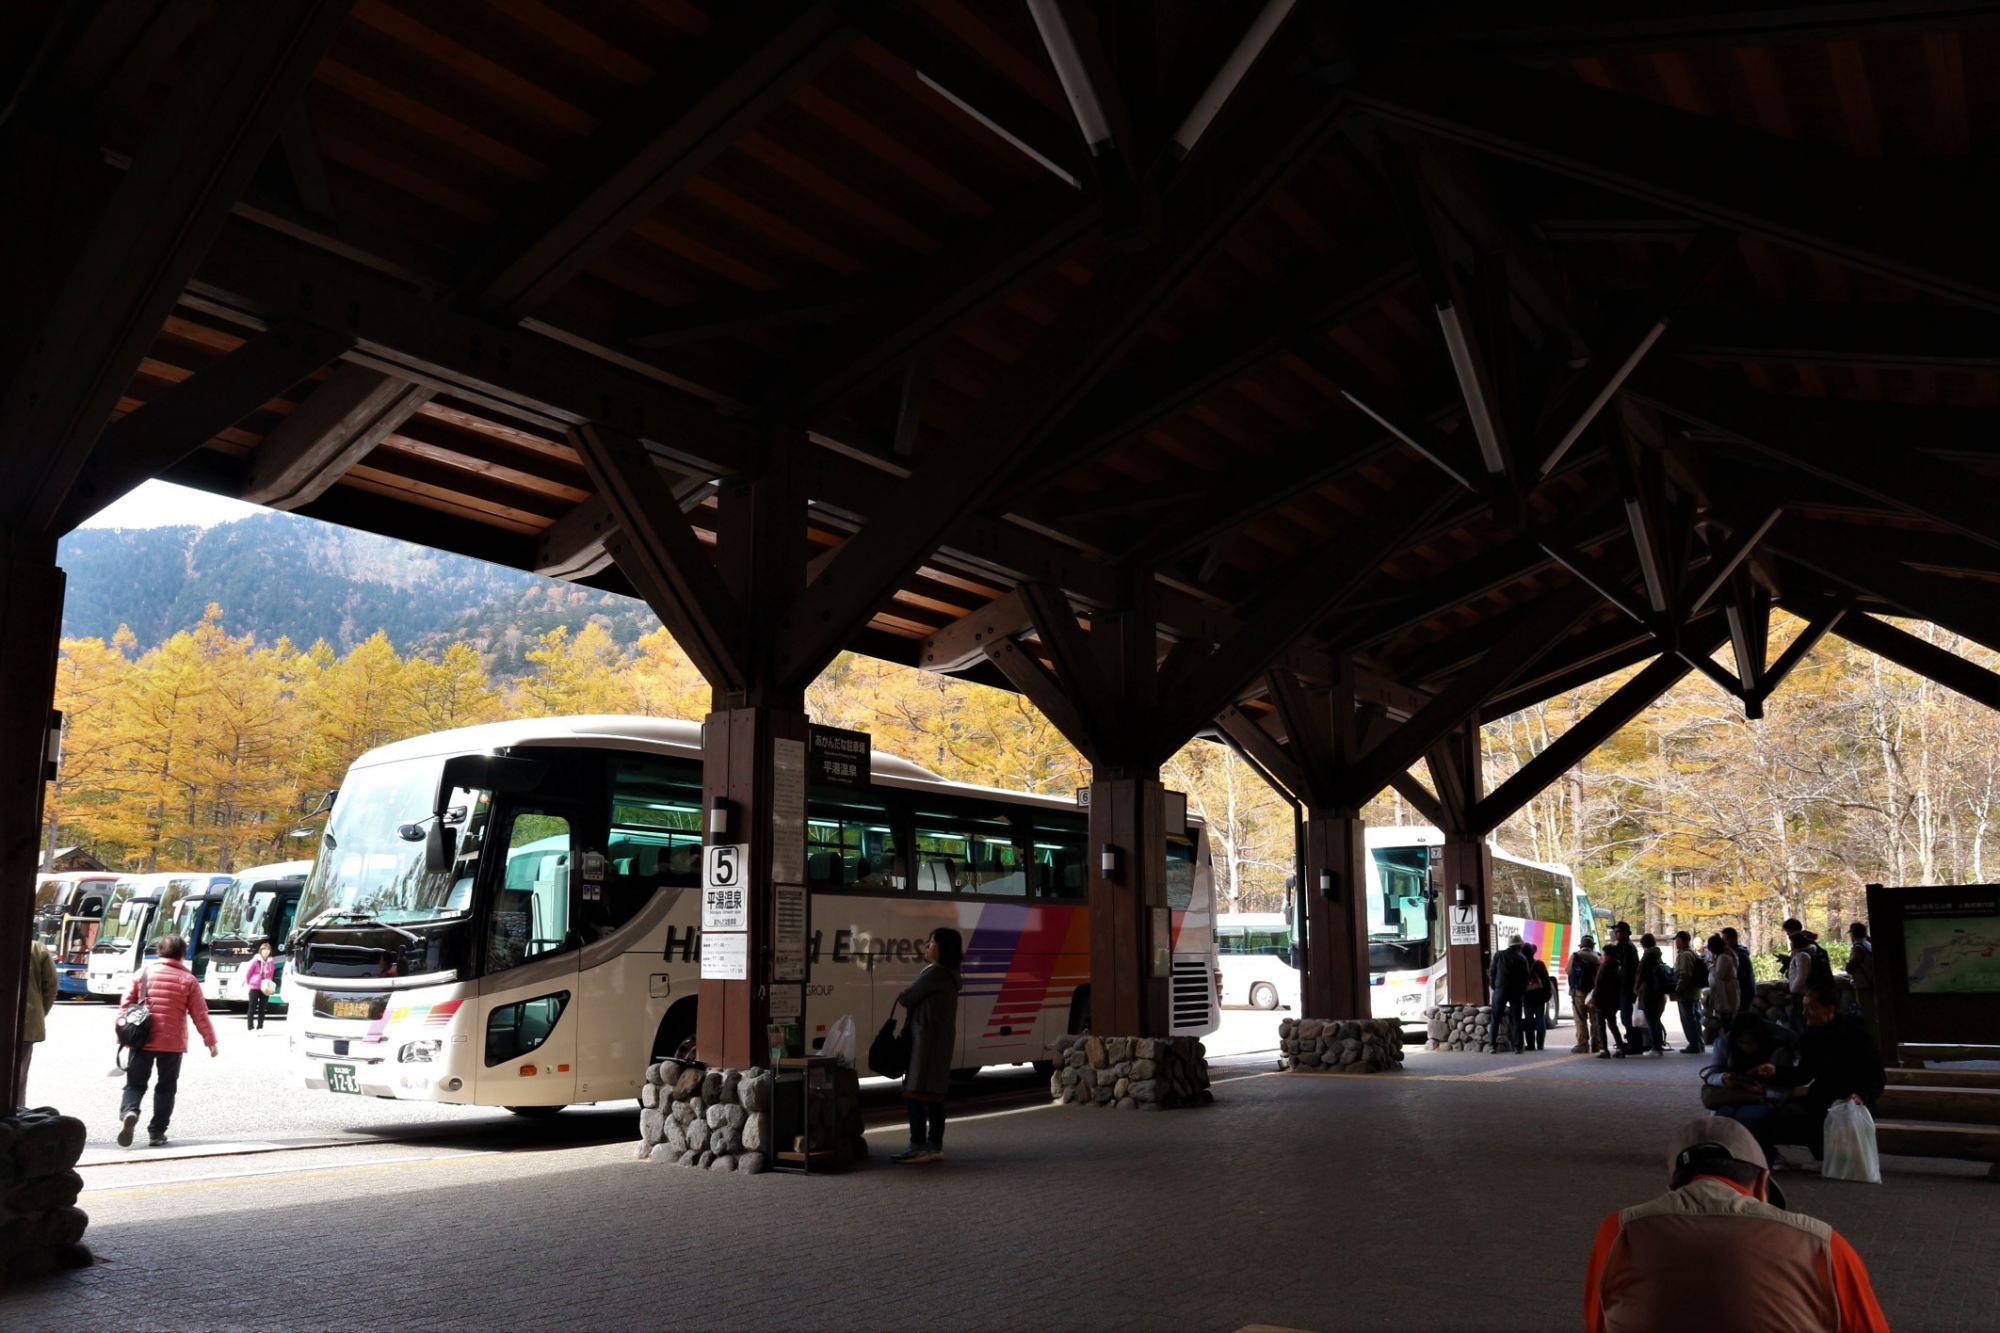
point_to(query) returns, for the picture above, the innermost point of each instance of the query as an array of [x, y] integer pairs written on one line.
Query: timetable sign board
[[725, 957]]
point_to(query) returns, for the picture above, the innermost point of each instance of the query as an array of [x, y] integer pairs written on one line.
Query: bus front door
[[529, 990]]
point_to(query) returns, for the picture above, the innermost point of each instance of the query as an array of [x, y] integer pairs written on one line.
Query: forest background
[[192, 741]]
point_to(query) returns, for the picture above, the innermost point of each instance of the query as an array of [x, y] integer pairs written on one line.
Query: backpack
[[1669, 981], [1820, 969], [134, 1027]]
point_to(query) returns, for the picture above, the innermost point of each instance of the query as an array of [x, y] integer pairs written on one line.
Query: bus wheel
[[676, 1030], [1264, 995], [970, 1071], [1045, 1068], [535, 1112]]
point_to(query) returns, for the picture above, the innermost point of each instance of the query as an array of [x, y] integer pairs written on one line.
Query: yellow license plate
[[350, 1008]]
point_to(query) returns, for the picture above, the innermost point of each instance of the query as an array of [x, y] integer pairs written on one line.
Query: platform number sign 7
[[724, 888]]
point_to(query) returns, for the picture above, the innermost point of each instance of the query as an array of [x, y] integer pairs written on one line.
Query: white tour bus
[[1407, 922], [551, 974], [140, 910], [1254, 950], [257, 907]]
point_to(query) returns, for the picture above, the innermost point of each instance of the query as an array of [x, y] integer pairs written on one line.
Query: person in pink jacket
[[262, 968], [174, 997]]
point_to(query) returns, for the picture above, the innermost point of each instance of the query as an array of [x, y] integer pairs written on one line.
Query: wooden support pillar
[[31, 595], [1130, 976], [753, 761], [1466, 863], [1336, 980]]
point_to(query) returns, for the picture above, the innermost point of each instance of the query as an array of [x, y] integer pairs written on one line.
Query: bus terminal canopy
[[1182, 366]]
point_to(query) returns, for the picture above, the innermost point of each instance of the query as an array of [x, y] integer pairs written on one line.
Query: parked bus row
[[102, 927], [1542, 903], [509, 915]]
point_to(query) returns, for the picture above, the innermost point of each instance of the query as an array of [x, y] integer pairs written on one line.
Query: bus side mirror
[[440, 847]]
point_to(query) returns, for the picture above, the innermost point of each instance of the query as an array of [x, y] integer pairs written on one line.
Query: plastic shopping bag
[[839, 1041], [1639, 1020], [1850, 1144]]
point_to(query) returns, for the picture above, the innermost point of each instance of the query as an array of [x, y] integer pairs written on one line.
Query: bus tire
[[1264, 995], [676, 1028], [535, 1112], [969, 1071]]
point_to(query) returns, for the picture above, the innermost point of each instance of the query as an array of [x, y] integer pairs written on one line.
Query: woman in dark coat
[[932, 1000]]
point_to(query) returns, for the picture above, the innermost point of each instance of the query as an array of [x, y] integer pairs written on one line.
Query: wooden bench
[[1941, 1113]]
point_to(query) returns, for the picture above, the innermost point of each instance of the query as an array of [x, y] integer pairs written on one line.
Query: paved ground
[[1460, 1194], [246, 1099]]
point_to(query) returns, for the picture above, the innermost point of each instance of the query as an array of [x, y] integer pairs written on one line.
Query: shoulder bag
[[134, 1027], [889, 1053]]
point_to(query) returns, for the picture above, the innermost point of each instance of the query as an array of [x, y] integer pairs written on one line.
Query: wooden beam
[[1256, 741], [1215, 193], [1028, 676], [1795, 652], [1884, 337], [1026, 234], [658, 551], [1906, 650], [1629, 700], [991, 101], [707, 93], [1552, 618], [1547, 30], [1731, 558], [910, 404], [1257, 329], [1929, 488], [963, 643], [199, 154], [1966, 609], [1576, 406], [747, 312], [1296, 598], [153, 437], [1898, 221], [574, 547], [1074, 657], [1422, 798], [336, 426], [255, 277]]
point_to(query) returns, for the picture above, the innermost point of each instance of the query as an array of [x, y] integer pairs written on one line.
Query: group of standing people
[[1523, 992]]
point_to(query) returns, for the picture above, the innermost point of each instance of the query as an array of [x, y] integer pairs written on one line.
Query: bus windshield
[[123, 916], [366, 868], [1399, 930]]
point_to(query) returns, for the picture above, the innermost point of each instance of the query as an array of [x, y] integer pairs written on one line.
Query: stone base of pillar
[[1340, 1045], [1131, 1073], [41, 1228], [1464, 1027], [731, 1120]]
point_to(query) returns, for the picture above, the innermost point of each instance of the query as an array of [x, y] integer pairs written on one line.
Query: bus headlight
[[419, 1052]]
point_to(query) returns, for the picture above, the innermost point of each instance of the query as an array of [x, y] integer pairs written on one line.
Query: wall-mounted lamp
[[718, 817], [1326, 883], [1107, 861], [1463, 893]]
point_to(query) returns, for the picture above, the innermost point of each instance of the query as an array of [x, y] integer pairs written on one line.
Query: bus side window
[[1056, 846], [531, 910]]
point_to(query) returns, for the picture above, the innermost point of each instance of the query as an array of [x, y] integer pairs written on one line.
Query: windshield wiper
[[355, 919]]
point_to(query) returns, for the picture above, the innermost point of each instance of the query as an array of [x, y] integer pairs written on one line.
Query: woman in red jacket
[[174, 997]]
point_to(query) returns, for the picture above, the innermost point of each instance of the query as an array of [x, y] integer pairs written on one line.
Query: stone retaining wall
[[1343, 1045], [725, 1120], [41, 1228], [1461, 1027], [1131, 1073]]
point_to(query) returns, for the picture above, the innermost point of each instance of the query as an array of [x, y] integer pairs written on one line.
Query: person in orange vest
[[1720, 1239]]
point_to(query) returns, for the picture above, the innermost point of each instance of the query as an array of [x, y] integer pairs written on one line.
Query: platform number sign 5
[[724, 888]]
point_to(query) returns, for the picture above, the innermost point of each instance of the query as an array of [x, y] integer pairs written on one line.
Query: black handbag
[[134, 1027], [889, 1053]]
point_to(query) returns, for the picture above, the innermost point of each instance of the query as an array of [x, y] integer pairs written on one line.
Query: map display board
[[1953, 947]]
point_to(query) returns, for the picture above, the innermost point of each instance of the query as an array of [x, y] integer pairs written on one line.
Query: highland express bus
[[1540, 902], [558, 950], [194, 921], [259, 907], [69, 912], [138, 913]]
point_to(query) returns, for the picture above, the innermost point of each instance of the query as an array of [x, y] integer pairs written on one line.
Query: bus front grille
[[1191, 996]]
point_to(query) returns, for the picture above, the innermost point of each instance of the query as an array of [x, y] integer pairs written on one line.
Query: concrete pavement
[[1460, 1194]]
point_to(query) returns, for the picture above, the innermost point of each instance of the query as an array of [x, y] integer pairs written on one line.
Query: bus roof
[[656, 735], [275, 870]]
